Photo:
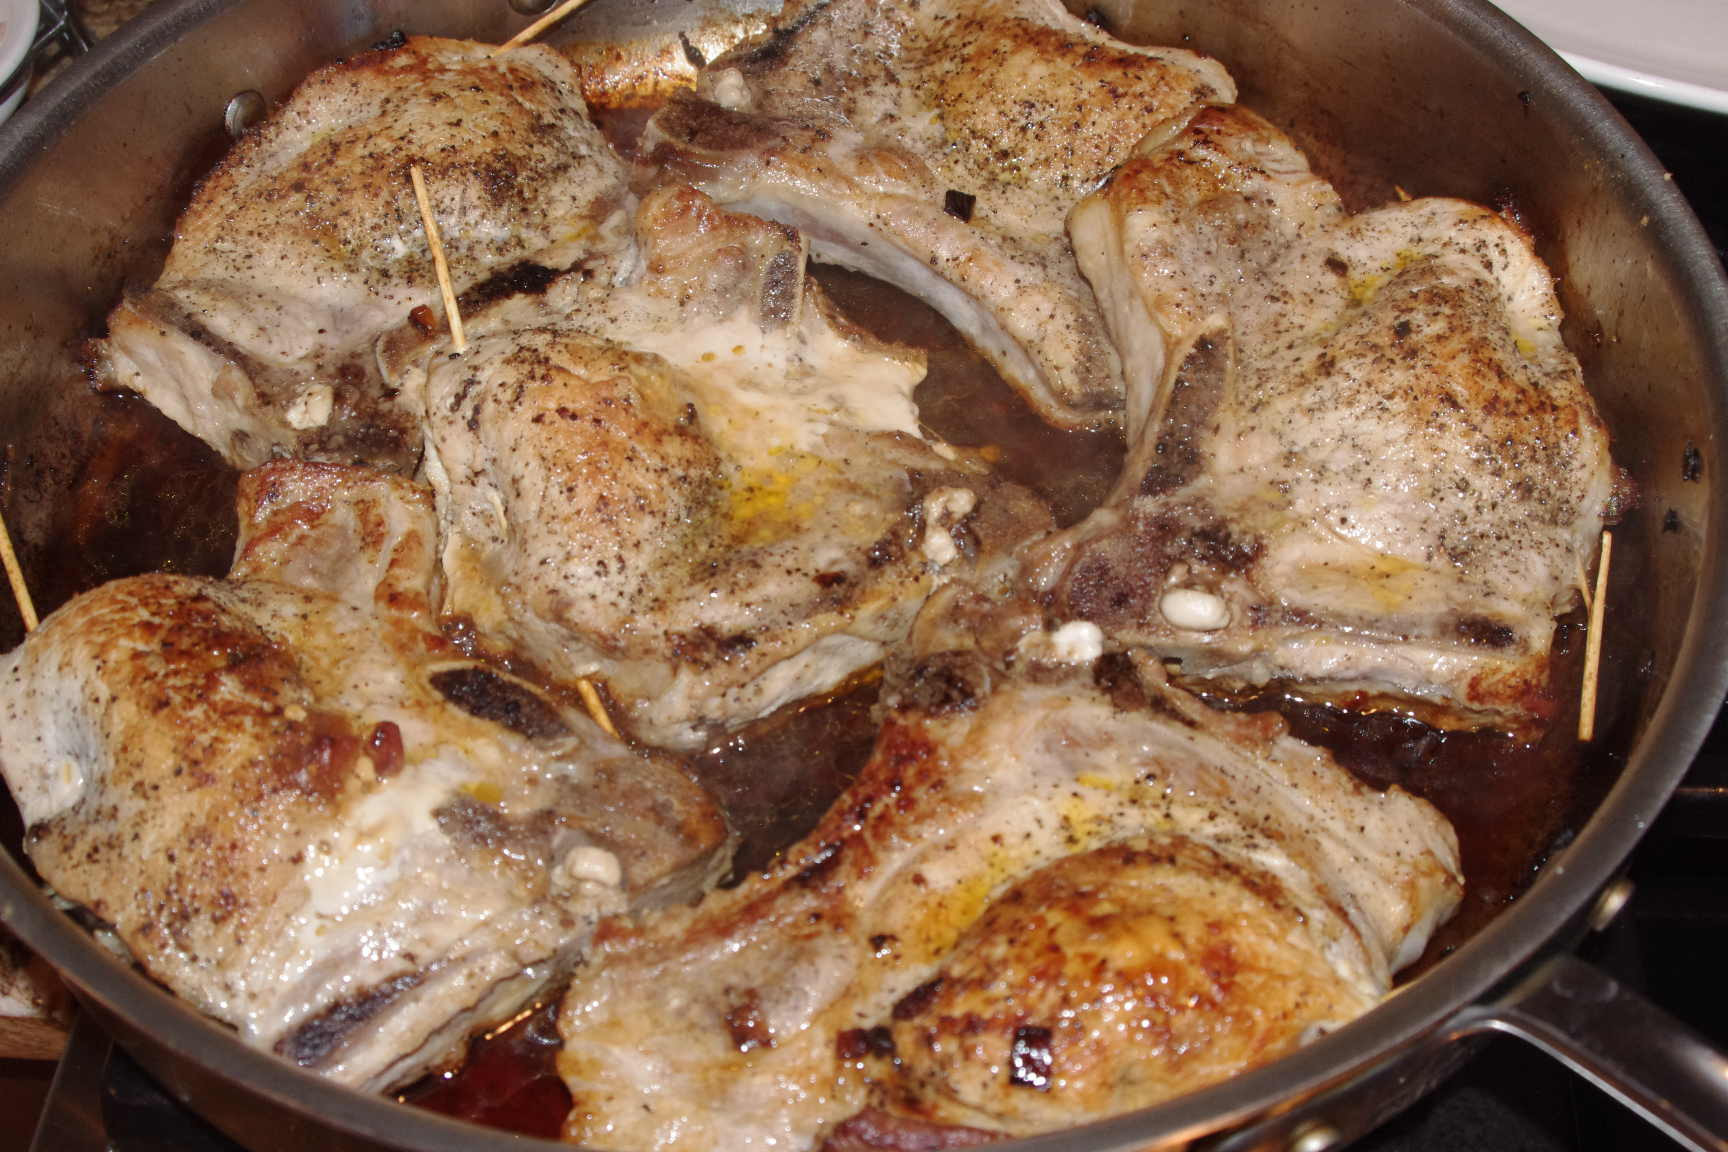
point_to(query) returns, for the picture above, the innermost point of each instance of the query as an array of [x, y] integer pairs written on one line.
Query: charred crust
[[485, 694], [915, 1002], [745, 1023], [959, 204], [860, 1043], [1482, 632], [313, 1042], [1030, 1059], [524, 278]]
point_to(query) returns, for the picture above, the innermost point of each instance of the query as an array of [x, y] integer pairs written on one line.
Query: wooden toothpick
[[539, 26], [452, 315], [596, 707], [15, 576], [459, 340], [1593, 645]]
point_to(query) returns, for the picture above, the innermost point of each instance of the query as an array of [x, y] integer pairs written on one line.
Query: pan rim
[[1494, 955]]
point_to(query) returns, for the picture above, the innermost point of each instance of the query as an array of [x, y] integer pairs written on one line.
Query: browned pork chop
[[939, 147], [304, 811], [305, 243], [1052, 895], [1361, 457], [693, 479]]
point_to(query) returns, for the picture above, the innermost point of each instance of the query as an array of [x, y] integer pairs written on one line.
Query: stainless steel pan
[[1438, 96]]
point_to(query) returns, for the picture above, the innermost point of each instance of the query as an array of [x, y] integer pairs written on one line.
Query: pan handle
[[1619, 1041], [1569, 1009]]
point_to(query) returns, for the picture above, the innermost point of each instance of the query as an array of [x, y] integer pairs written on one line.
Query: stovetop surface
[[1669, 942]]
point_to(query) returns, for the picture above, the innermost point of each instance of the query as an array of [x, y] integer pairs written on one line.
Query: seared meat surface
[[303, 810], [1051, 896], [1361, 459], [305, 243], [695, 480], [939, 147]]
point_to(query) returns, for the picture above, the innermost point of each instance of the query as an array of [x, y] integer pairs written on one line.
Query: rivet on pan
[[244, 111], [1315, 1136], [1609, 904], [531, 7]]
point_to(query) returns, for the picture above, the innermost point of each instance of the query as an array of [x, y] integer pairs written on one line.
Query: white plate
[[1674, 50]]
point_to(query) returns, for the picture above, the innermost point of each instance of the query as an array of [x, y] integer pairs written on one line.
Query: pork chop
[[693, 479], [1362, 458], [939, 148], [1057, 892], [303, 810], [305, 243]]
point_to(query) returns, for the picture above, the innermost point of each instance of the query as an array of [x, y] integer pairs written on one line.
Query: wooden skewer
[[590, 695], [1593, 646], [596, 707], [458, 339], [539, 26], [15, 576]]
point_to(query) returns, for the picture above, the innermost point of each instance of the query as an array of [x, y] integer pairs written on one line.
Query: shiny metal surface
[[1619, 1041], [1436, 96], [245, 111]]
